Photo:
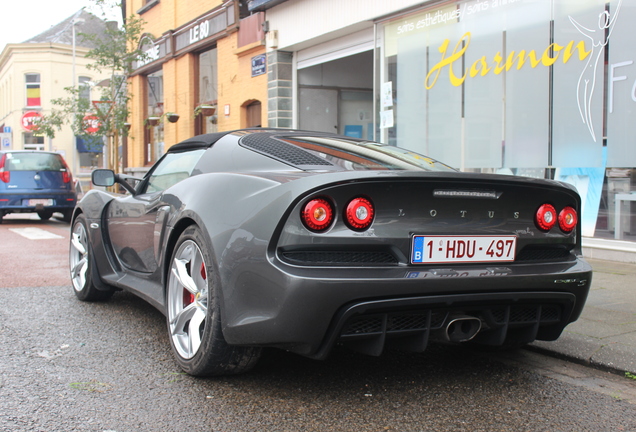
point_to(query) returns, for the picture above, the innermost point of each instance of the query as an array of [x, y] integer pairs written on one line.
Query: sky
[[27, 18]]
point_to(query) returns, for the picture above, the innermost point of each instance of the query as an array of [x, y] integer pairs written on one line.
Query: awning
[[89, 144]]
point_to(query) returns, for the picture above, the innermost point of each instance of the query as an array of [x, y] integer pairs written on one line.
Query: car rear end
[[384, 255], [455, 258], [35, 181]]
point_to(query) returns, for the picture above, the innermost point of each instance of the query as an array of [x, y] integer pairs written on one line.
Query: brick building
[[210, 54]]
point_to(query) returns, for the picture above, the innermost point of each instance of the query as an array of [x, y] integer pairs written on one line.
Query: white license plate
[[462, 249], [39, 201]]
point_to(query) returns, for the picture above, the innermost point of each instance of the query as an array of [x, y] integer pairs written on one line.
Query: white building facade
[[37, 71]]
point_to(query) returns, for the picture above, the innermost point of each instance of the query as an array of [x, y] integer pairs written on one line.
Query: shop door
[[318, 110]]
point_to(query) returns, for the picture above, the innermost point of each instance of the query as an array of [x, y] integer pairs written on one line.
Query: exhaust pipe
[[459, 328]]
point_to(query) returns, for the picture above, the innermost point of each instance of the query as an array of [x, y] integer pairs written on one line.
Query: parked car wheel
[[81, 261], [45, 214], [193, 313]]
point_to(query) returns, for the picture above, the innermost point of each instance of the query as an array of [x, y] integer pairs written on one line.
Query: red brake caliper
[[188, 297]]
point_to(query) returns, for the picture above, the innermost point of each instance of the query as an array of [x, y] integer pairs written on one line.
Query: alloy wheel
[[187, 299], [78, 258]]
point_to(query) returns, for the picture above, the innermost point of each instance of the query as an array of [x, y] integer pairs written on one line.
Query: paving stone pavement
[[605, 334]]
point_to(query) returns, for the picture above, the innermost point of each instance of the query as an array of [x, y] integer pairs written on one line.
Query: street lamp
[[74, 23]]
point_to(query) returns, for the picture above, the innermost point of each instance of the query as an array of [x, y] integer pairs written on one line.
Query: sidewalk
[[605, 334]]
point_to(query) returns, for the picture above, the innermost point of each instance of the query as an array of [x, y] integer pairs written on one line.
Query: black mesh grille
[[406, 322], [550, 314], [338, 257], [499, 315], [543, 254], [437, 319], [520, 315], [363, 325], [288, 153]]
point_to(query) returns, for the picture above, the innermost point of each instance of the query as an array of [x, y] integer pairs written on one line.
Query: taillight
[[546, 217], [317, 214], [359, 213], [66, 177], [5, 176], [567, 219]]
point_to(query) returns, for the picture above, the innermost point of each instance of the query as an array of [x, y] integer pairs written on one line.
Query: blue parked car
[[36, 181]]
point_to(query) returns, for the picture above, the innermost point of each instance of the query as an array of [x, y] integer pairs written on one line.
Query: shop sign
[[259, 65], [30, 119], [152, 52], [497, 63], [201, 30]]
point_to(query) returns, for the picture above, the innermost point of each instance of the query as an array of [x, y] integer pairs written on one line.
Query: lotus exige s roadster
[[304, 240]]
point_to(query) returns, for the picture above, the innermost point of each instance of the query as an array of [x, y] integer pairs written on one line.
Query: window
[[208, 75], [32, 142], [154, 108], [32, 89], [34, 162], [172, 169], [84, 88]]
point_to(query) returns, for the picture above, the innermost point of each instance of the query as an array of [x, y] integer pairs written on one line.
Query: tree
[[114, 52]]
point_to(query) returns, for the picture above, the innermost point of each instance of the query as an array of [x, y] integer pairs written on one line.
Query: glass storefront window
[[520, 87]]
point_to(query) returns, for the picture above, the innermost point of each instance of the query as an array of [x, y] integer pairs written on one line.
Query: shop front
[[534, 88]]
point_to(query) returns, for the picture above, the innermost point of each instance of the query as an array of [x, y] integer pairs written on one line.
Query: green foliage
[[114, 53]]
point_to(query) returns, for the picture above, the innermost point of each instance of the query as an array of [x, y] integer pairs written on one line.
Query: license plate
[[462, 249], [39, 201]]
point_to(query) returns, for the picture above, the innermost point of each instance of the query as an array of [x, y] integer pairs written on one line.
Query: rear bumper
[[308, 311], [21, 203]]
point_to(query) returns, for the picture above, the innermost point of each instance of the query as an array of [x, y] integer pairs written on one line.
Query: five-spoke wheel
[[194, 316], [187, 299], [80, 258]]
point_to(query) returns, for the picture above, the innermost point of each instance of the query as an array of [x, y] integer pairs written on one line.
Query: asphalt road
[[66, 365]]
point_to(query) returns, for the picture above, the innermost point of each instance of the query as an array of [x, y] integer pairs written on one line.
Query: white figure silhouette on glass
[[587, 80]]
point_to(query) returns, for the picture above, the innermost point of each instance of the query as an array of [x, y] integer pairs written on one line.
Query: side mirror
[[103, 177]]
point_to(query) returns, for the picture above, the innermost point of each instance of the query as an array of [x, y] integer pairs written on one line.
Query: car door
[[136, 223]]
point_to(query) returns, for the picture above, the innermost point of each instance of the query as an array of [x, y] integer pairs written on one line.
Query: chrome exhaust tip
[[461, 328]]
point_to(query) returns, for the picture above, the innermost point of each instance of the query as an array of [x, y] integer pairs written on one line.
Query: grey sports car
[[304, 240]]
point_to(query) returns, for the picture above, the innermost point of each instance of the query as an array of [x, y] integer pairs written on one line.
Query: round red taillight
[[546, 217], [568, 219], [359, 213], [317, 214]]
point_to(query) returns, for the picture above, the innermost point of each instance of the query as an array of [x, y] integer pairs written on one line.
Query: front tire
[[81, 264], [194, 315]]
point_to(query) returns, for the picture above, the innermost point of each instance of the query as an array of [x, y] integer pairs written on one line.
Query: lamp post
[[74, 23]]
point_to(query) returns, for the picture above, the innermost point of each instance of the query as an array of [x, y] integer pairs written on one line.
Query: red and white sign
[[91, 123], [30, 119]]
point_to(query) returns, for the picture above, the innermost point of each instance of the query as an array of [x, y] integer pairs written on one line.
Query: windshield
[[34, 162]]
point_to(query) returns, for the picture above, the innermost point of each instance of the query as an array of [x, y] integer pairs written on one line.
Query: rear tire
[[81, 264], [45, 214], [194, 314]]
